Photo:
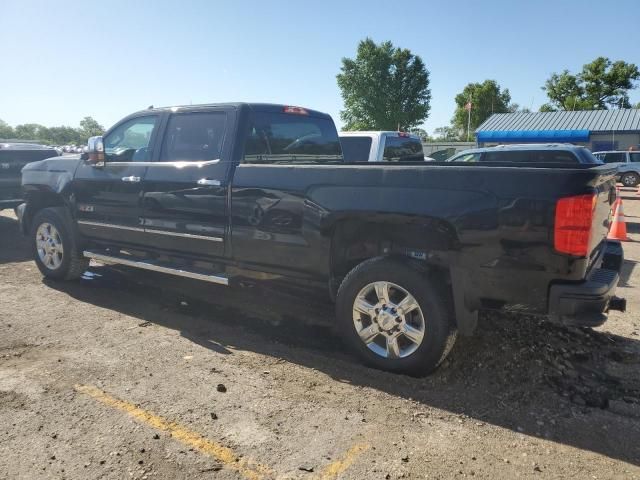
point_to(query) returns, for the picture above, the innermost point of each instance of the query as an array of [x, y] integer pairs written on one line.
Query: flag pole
[[468, 119]]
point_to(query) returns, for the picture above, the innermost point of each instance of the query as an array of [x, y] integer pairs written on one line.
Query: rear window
[[356, 149], [531, 156], [403, 149], [291, 138]]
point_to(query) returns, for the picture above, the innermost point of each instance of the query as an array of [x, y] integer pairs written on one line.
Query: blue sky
[[67, 59]]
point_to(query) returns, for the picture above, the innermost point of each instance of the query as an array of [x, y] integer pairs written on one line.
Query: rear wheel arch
[[423, 242]]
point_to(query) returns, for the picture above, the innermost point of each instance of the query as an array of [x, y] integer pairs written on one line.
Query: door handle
[[209, 182], [131, 179]]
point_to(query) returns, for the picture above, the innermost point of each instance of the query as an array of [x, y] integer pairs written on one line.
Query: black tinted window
[[356, 149], [291, 138], [403, 149], [531, 156], [194, 137], [614, 157], [466, 157], [635, 156]]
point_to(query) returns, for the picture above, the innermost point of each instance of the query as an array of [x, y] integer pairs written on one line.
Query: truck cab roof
[[255, 106]]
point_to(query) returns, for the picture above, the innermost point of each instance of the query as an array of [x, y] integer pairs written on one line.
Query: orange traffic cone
[[618, 229]]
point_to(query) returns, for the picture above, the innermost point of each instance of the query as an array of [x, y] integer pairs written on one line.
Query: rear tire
[[630, 179], [55, 246], [410, 332]]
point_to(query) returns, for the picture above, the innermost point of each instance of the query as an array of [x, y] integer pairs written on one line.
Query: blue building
[[596, 129]]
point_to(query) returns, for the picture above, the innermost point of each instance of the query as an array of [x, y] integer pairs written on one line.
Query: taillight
[[572, 231], [295, 110]]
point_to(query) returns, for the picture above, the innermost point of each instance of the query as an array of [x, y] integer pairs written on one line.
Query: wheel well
[[36, 202], [423, 242]]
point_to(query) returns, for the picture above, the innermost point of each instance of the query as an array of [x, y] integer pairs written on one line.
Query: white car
[[628, 163], [381, 147]]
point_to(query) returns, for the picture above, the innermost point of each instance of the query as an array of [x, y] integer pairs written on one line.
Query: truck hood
[[54, 173], [64, 163]]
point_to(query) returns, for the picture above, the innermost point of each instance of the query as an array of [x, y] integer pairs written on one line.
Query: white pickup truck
[[381, 147]]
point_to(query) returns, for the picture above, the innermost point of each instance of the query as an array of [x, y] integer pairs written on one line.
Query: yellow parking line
[[334, 469], [190, 438]]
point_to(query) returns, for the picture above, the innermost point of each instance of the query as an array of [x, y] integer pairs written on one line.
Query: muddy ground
[[112, 378]]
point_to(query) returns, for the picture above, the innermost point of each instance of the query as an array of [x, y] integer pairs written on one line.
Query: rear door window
[[634, 157], [356, 149], [403, 149], [194, 137], [614, 157], [291, 138]]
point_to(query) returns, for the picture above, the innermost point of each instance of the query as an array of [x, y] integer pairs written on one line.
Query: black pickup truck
[[400, 257], [14, 156]]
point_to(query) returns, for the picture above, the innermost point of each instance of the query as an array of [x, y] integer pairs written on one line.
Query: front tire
[[630, 179], [55, 246], [396, 318]]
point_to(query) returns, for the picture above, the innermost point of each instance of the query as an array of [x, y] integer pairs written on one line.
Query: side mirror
[[93, 153]]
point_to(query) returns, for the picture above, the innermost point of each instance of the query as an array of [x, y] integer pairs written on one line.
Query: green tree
[[486, 98], [383, 88], [421, 132], [601, 84], [446, 134], [6, 130], [90, 128], [28, 131]]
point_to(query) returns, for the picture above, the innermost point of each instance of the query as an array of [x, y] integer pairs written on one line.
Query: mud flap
[[466, 319]]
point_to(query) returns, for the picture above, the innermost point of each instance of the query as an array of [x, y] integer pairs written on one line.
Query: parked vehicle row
[[258, 199]]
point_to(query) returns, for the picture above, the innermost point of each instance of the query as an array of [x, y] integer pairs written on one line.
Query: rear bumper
[[586, 303]]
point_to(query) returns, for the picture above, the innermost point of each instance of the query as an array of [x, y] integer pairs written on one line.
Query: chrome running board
[[150, 265]]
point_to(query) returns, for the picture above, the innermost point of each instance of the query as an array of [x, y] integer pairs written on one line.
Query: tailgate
[[11, 163]]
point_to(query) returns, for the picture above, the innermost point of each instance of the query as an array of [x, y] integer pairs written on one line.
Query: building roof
[[626, 120]]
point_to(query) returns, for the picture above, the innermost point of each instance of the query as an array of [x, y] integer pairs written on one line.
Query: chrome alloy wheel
[[388, 320], [49, 246], [629, 179]]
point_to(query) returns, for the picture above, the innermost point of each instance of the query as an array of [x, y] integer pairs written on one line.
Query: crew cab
[[381, 147], [258, 201], [14, 156], [628, 164]]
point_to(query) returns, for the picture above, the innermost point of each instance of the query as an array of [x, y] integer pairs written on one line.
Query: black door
[[185, 191], [275, 224], [108, 198]]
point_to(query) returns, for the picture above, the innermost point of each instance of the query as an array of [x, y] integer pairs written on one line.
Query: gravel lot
[[113, 378]]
